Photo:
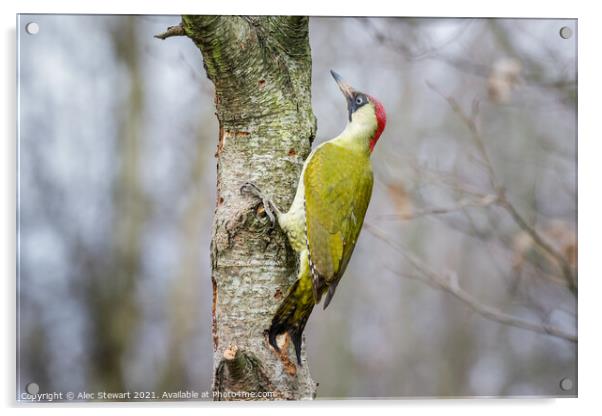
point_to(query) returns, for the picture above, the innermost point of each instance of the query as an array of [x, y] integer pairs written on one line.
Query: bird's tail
[[292, 314]]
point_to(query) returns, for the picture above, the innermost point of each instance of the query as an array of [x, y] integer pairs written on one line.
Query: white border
[[590, 207]]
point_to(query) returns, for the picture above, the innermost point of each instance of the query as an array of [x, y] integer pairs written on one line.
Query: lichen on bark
[[261, 70]]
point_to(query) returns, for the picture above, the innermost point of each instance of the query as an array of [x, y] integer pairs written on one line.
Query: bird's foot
[[268, 205]]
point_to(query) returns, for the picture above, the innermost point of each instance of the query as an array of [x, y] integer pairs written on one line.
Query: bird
[[326, 216]]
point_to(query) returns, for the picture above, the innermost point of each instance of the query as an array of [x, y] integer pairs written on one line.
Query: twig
[[538, 239], [172, 31], [407, 52], [485, 201], [502, 201], [474, 131], [451, 285], [457, 62]]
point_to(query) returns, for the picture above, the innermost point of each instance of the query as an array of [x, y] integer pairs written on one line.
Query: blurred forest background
[[463, 281]]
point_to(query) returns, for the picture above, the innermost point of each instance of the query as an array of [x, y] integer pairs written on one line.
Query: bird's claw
[[268, 206]]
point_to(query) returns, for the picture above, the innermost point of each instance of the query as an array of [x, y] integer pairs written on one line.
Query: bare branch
[[485, 201], [450, 284], [171, 32], [502, 200], [470, 122], [459, 63], [539, 240]]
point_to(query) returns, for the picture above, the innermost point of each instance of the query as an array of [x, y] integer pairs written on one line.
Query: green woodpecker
[[326, 216]]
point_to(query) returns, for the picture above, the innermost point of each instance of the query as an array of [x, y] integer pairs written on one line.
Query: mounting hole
[[566, 384], [32, 388], [32, 28], [566, 32]]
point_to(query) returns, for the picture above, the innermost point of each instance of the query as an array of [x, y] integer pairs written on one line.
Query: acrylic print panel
[[145, 274]]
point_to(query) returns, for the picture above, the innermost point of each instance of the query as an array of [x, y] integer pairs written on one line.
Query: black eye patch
[[356, 101]]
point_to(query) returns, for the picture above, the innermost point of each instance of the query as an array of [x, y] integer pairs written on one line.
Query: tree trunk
[[261, 69]]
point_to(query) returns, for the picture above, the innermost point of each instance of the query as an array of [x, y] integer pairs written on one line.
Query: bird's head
[[365, 111]]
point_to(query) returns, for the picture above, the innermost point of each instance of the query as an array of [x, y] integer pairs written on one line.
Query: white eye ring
[[358, 100]]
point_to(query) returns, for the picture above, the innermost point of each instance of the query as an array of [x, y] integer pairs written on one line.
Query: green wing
[[338, 186]]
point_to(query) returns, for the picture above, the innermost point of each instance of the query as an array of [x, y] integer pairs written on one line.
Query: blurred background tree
[[475, 196]]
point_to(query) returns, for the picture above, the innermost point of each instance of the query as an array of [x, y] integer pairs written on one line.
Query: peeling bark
[[261, 69]]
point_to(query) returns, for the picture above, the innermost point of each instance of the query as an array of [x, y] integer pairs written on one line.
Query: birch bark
[[261, 69]]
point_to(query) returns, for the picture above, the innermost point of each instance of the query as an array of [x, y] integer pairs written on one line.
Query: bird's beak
[[346, 90], [343, 86]]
